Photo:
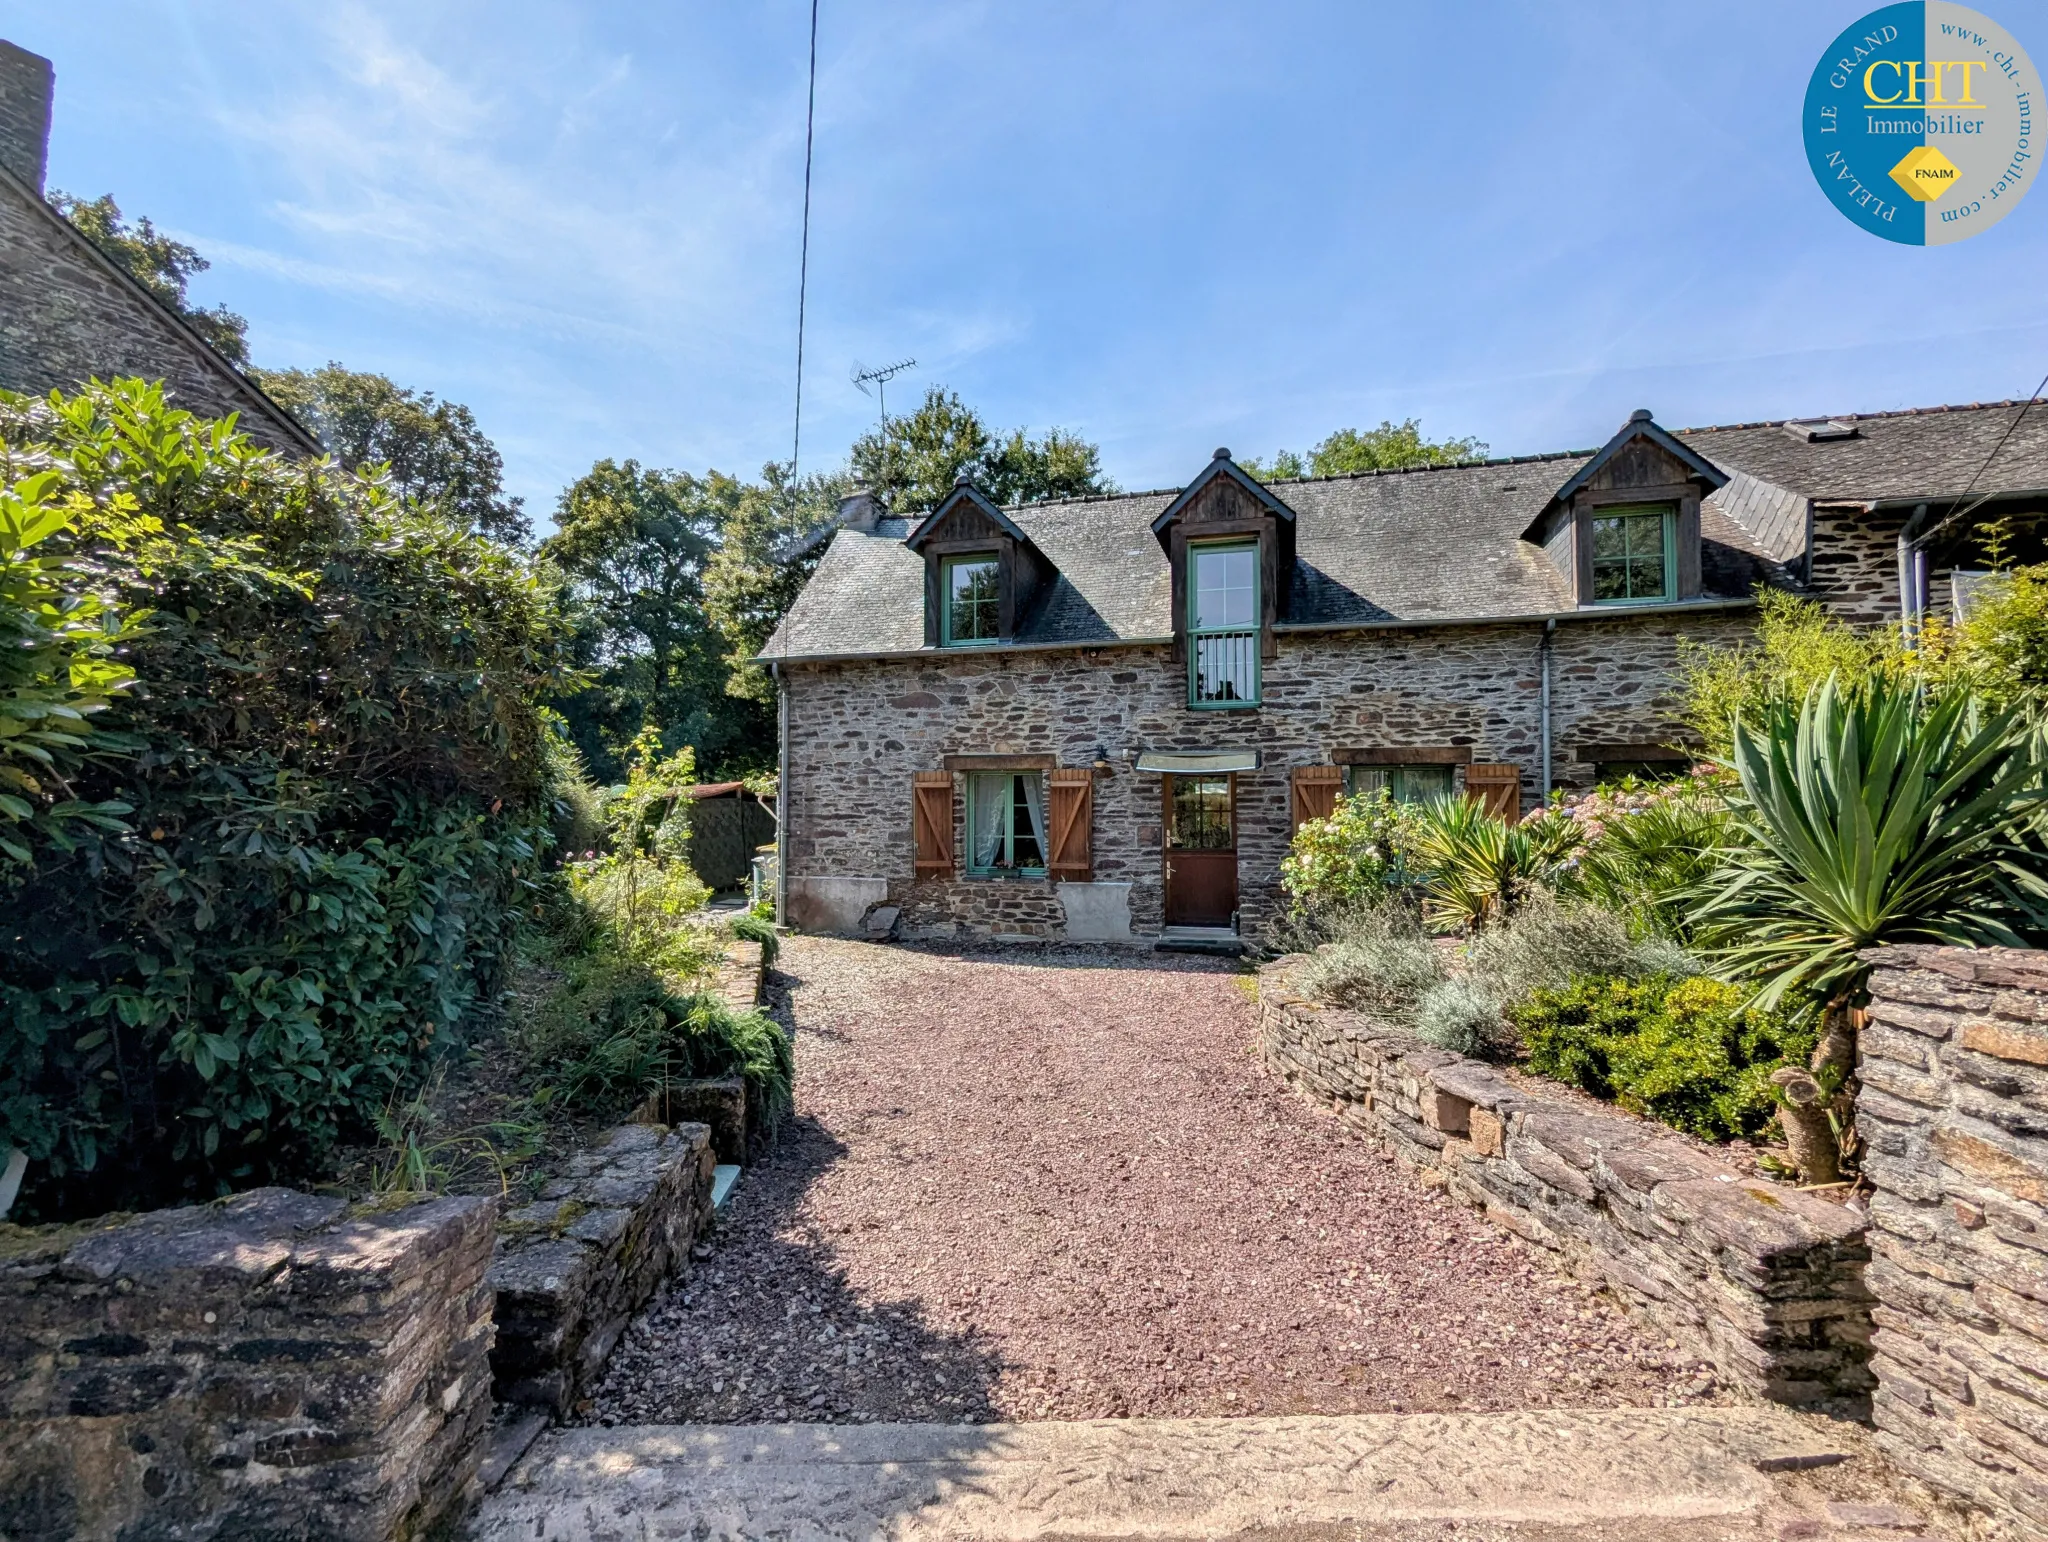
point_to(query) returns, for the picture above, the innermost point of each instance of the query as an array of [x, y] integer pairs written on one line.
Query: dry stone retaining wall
[[272, 1365], [573, 1267], [1765, 1281], [1954, 1108]]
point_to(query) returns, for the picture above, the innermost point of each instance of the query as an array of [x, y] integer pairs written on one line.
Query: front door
[[1201, 850]]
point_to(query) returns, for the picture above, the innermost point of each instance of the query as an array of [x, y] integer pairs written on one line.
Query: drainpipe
[[781, 792], [1543, 654], [1912, 575]]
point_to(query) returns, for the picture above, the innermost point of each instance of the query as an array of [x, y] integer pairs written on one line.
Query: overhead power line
[[803, 271]]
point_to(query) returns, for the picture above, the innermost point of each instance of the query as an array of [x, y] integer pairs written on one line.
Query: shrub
[[334, 778], [1548, 943], [754, 927], [1381, 962], [1690, 1053], [613, 1030], [1351, 859], [1647, 852], [1796, 646], [1461, 1015], [58, 672], [1476, 868]]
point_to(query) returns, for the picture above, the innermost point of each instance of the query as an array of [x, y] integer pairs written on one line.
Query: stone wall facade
[[1954, 1108], [574, 1266], [271, 1365], [1764, 1280], [858, 732]]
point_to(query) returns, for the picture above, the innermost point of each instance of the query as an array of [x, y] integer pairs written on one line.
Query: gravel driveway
[[1057, 1185]]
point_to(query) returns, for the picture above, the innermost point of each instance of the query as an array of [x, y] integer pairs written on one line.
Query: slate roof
[[1930, 452], [1431, 544]]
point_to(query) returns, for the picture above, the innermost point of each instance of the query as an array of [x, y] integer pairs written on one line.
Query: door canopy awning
[[1197, 762]]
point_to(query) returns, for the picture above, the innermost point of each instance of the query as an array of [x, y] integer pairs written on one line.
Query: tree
[[762, 564], [911, 462], [633, 544], [436, 453], [159, 264], [1389, 447]]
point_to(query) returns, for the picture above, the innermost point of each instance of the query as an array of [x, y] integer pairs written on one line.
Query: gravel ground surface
[[1057, 1185]]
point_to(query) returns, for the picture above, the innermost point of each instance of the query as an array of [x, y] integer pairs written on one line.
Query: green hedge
[[332, 774]]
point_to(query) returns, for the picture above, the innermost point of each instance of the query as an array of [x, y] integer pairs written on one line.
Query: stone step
[[1673, 1475]]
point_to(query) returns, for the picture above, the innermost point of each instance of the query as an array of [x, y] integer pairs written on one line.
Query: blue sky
[[1166, 226]]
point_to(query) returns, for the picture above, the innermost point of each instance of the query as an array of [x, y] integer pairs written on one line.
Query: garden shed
[[727, 824]]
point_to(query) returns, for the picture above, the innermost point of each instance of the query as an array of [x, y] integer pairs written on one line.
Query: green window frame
[[1005, 824], [1404, 784], [1223, 602], [970, 599], [1635, 553]]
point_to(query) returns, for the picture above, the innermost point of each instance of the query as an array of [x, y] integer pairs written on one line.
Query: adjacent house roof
[[1426, 545]]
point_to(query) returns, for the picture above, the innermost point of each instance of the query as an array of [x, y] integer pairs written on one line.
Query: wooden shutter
[[932, 819], [1498, 789], [1316, 791], [1071, 813]]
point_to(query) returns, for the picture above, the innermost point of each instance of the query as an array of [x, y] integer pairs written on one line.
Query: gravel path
[[1056, 1185]]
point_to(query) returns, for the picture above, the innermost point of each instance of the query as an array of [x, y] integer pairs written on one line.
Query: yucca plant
[[1878, 815], [1476, 866]]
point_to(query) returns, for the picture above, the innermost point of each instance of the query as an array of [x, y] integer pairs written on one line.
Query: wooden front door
[[1201, 850]]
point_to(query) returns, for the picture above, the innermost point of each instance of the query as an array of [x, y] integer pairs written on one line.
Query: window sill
[[1022, 875], [1225, 706]]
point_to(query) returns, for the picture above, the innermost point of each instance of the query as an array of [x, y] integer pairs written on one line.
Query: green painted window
[[968, 597], [1223, 625], [1005, 825], [1406, 784], [1635, 553]]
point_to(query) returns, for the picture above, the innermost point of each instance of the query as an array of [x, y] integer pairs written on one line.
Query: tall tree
[[633, 543], [911, 461], [1390, 447], [159, 264], [435, 450], [762, 564]]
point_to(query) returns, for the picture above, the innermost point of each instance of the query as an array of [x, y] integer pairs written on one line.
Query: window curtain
[[1034, 803], [991, 794]]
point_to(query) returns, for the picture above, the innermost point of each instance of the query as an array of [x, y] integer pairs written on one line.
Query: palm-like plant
[[1865, 817], [1476, 867]]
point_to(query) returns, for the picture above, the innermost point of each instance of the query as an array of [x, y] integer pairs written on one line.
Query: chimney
[[26, 80], [859, 512]]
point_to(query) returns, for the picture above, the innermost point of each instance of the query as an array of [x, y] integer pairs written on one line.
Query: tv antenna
[[879, 379]]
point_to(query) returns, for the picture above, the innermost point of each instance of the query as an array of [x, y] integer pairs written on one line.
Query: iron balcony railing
[[1225, 669]]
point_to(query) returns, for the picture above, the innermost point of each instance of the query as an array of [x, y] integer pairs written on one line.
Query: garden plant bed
[[1058, 1185]]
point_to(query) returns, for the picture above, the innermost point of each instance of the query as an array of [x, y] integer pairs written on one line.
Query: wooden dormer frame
[[1620, 473], [968, 524], [1226, 503]]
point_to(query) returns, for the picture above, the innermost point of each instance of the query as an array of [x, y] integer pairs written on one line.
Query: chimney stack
[[26, 82]]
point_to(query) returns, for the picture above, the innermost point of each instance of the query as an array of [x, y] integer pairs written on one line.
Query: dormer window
[[1635, 547], [982, 574], [1625, 528], [972, 598], [1223, 624]]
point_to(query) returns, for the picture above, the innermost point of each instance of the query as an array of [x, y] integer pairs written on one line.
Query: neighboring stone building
[[1102, 718], [68, 314]]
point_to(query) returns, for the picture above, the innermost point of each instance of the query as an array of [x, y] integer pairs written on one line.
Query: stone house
[[1102, 718], [68, 314]]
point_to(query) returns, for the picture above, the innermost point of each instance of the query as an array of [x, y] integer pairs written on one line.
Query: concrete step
[[1609, 1475]]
